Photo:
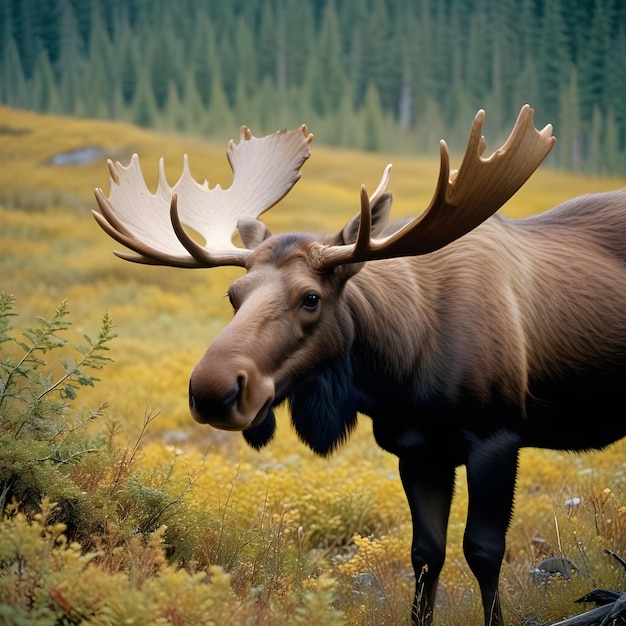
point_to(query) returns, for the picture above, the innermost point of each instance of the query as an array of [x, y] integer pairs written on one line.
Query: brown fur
[[511, 302], [459, 356]]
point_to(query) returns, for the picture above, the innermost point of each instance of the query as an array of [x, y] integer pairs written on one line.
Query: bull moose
[[464, 335]]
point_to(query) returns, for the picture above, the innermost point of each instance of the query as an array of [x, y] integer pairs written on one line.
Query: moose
[[464, 335]]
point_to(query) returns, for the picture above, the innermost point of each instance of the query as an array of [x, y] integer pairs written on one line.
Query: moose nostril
[[231, 397], [214, 404]]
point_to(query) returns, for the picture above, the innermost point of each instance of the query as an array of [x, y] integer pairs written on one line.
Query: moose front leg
[[428, 484], [491, 475]]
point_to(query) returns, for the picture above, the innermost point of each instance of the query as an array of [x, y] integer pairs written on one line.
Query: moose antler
[[462, 200], [264, 170]]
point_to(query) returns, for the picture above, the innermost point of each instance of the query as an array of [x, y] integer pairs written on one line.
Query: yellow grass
[[51, 250]]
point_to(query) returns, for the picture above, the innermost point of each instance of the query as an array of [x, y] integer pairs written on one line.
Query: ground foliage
[[117, 508]]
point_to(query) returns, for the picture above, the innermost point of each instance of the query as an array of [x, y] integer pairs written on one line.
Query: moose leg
[[428, 484], [491, 474]]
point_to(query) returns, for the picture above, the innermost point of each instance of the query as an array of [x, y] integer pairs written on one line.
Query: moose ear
[[380, 216], [252, 232]]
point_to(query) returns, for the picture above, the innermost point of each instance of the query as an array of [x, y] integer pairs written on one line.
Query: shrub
[[43, 441], [83, 535]]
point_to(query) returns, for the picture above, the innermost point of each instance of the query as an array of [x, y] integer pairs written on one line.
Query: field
[[277, 536]]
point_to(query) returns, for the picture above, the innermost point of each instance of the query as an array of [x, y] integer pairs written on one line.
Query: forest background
[[365, 74]]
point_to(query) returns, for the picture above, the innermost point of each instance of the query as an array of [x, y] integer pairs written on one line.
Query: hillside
[[52, 250]]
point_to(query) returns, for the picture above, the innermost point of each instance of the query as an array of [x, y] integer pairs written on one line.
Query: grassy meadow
[[271, 537]]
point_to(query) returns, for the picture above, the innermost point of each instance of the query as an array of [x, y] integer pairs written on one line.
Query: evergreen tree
[[84, 11], [506, 60], [616, 77], [71, 62], [54, 21], [431, 128], [457, 105], [144, 107], [527, 29], [220, 122], [373, 123], [328, 75], [102, 75], [593, 63], [13, 84], [244, 110], [348, 131], [130, 68], [243, 69], [173, 115], [455, 130], [204, 57], [424, 78], [377, 61], [163, 65], [300, 107], [478, 56], [612, 160], [577, 17], [119, 109], [527, 90], [281, 54], [442, 41], [552, 57], [44, 94], [593, 159], [408, 58], [266, 44], [570, 130], [299, 40], [193, 111], [268, 108], [355, 70], [6, 26]]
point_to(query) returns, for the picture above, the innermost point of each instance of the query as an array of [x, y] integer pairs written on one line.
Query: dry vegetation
[[190, 526]]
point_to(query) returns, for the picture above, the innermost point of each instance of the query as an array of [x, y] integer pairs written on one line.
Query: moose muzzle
[[230, 394]]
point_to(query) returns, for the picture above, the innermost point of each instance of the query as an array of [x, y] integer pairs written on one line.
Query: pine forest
[[375, 75]]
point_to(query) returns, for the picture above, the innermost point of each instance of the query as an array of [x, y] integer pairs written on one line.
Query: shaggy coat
[[460, 357]]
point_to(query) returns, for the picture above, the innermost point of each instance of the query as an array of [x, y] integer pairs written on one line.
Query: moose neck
[[425, 326]]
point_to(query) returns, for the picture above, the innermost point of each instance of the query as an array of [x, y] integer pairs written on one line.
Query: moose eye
[[231, 299], [310, 302]]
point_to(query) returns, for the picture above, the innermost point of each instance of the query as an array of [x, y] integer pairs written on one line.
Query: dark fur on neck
[[323, 410]]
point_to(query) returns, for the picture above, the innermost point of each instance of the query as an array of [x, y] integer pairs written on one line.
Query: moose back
[[465, 336]]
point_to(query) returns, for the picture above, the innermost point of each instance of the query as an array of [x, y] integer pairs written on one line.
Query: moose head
[[289, 323]]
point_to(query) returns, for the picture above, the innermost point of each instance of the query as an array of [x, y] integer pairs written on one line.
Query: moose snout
[[207, 409], [227, 399]]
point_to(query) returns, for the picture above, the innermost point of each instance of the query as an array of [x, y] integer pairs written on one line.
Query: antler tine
[[146, 254], [365, 222], [153, 225], [462, 199], [382, 185]]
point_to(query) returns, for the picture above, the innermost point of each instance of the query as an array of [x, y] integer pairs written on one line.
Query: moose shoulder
[[463, 335]]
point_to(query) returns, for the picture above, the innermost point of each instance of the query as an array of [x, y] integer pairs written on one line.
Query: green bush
[[43, 440], [83, 536]]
